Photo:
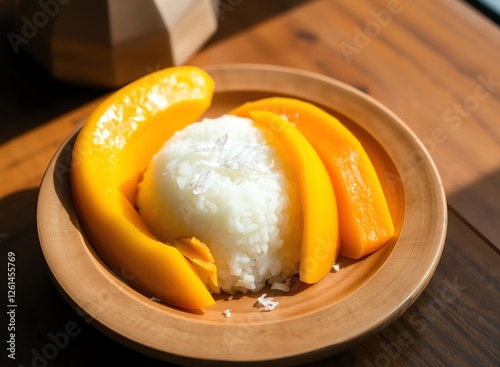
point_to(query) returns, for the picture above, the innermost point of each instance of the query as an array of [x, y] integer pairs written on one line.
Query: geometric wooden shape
[[109, 43]]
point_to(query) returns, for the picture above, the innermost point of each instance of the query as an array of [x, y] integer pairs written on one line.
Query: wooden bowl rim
[[396, 297]]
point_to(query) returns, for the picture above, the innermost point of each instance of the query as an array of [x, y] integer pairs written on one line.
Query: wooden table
[[434, 63]]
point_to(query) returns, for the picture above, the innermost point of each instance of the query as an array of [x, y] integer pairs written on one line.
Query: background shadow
[[483, 219], [29, 96]]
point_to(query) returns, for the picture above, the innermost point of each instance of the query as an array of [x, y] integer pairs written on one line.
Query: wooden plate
[[311, 322]]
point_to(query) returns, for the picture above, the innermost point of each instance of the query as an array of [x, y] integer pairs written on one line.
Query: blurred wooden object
[[110, 43]]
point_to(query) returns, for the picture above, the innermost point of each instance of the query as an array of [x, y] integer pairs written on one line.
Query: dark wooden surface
[[429, 59]]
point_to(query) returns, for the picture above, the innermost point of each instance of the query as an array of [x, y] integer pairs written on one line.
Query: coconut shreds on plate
[[154, 299], [283, 287], [268, 302], [227, 313], [280, 287]]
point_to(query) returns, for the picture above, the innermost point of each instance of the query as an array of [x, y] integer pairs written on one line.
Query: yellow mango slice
[[320, 239], [365, 223], [200, 255], [111, 152]]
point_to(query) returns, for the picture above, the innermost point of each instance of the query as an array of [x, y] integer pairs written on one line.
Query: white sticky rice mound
[[219, 181]]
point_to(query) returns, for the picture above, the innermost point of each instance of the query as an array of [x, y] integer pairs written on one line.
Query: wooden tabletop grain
[[435, 63]]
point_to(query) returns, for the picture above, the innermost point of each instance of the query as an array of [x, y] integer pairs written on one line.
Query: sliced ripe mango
[[199, 254], [112, 150], [364, 218], [320, 239]]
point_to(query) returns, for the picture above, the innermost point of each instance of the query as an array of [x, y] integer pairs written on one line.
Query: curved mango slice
[[320, 239], [200, 256], [112, 150], [365, 222]]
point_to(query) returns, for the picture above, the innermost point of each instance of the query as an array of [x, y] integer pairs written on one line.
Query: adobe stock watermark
[[39, 19], [419, 321], [249, 326], [363, 36], [452, 120], [224, 6], [485, 87], [58, 341]]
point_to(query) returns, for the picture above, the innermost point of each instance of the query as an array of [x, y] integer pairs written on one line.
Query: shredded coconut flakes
[[268, 302], [227, 155], [280, 287]]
